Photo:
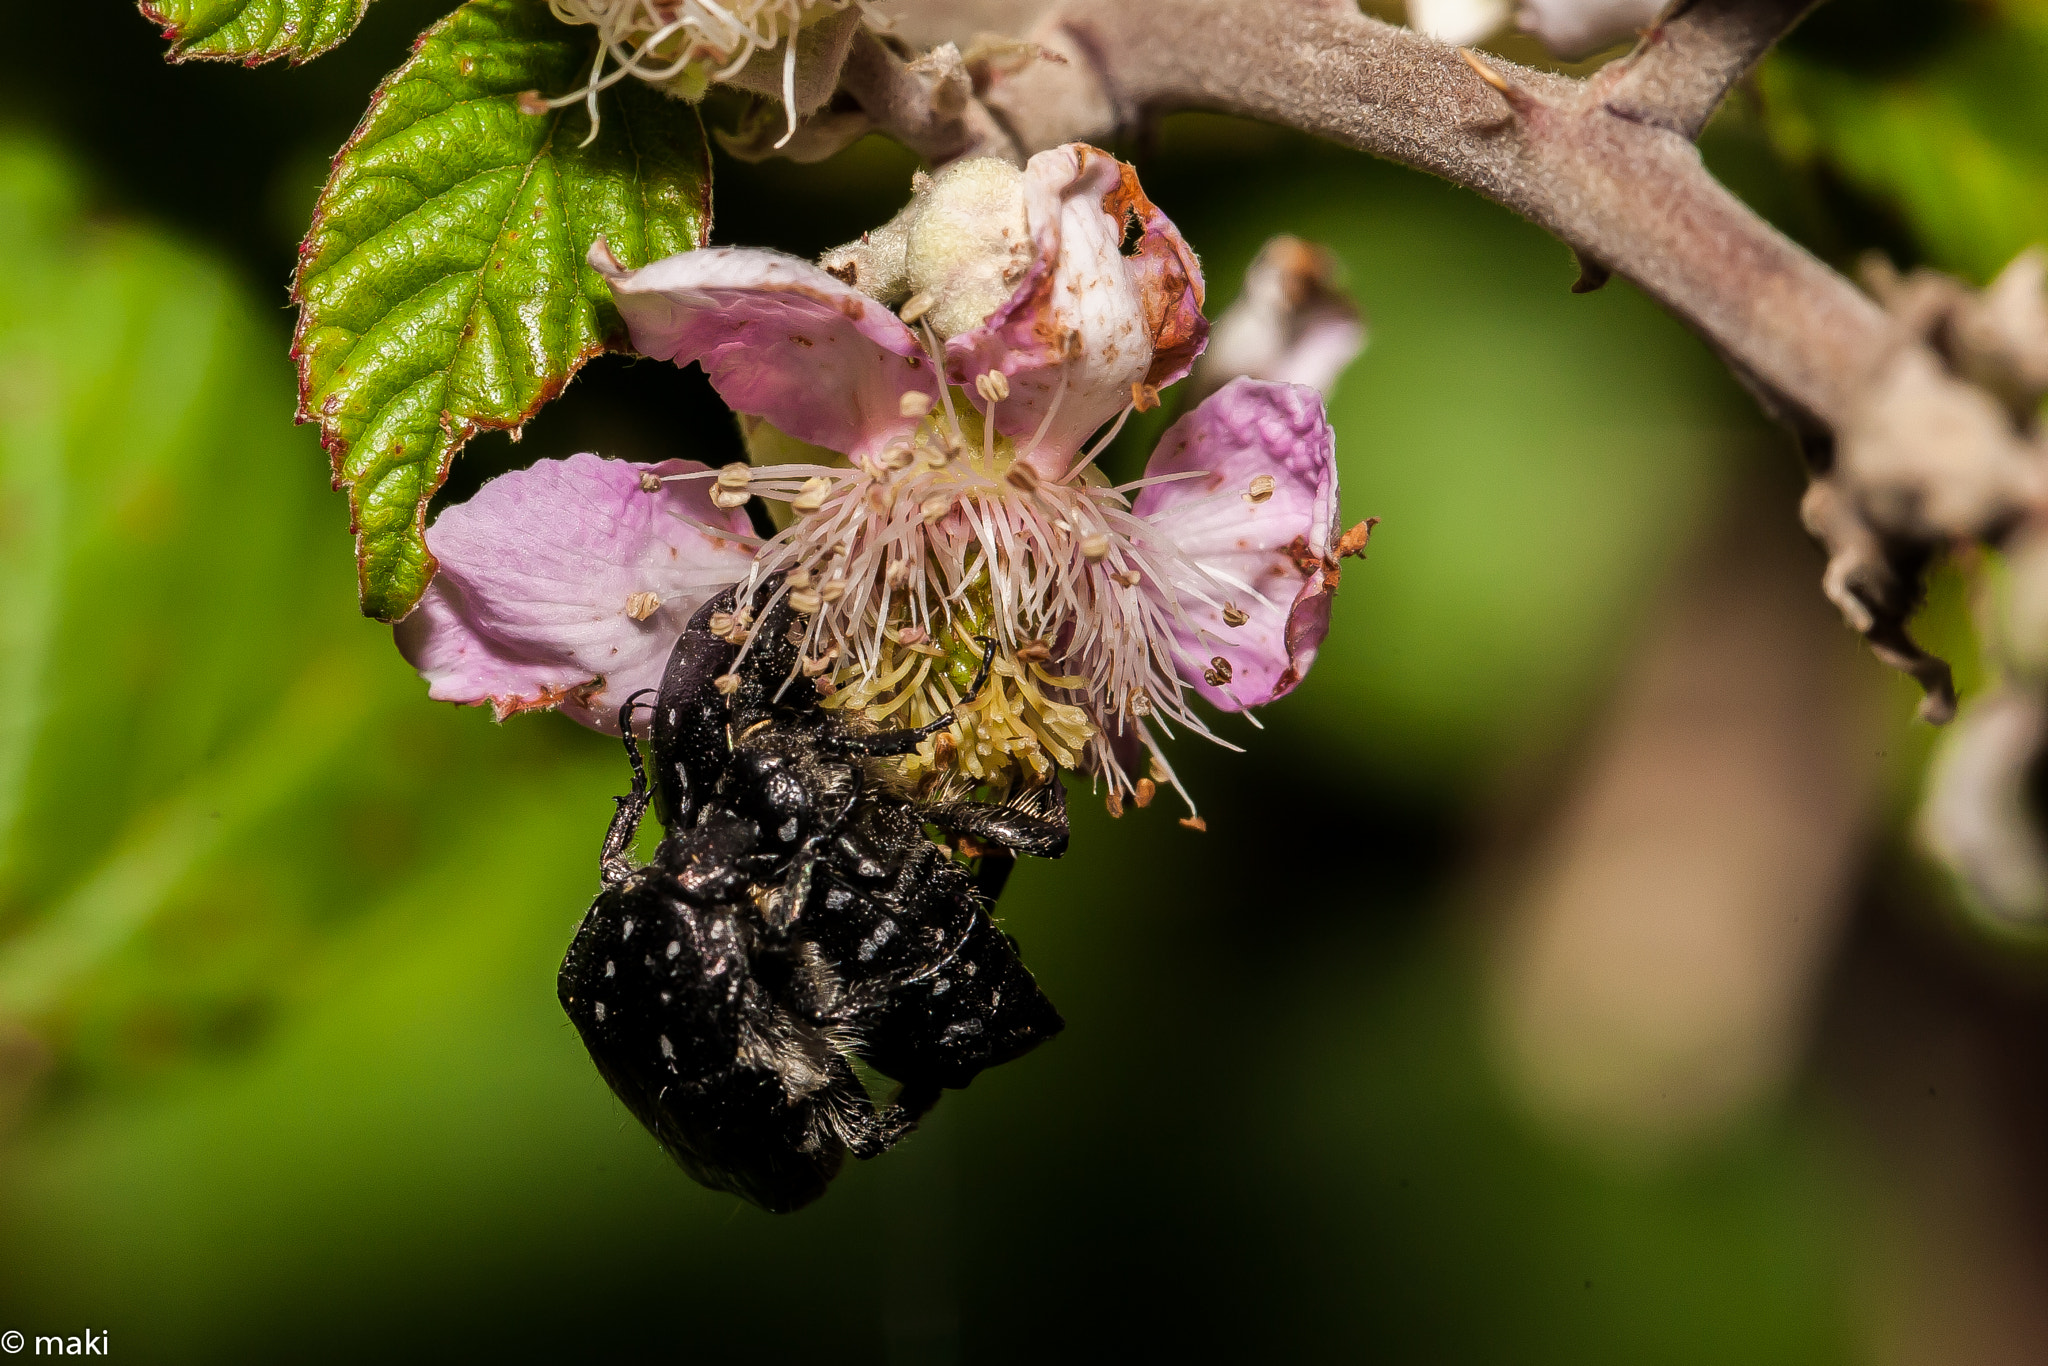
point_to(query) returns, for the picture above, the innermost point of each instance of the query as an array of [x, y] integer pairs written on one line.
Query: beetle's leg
[[913, 1102], [615, 864], [886, 742], [1035, 825]]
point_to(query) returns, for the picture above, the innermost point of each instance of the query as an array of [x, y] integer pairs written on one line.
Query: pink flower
[[971, 507], [566, 584]]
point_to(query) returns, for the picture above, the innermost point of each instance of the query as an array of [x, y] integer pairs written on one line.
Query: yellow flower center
[[1010, 736]]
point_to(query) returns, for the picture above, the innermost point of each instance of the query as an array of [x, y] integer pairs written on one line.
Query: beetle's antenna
[[890, 742], [988, 661]]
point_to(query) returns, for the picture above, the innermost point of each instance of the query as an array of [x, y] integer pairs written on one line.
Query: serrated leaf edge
[[293, 52], [459, 430]]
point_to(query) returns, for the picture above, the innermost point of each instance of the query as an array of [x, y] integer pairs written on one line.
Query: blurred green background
[[282, 1075]]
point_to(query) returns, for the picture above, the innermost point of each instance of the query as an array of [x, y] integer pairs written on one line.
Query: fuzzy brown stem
[[1689, 62]]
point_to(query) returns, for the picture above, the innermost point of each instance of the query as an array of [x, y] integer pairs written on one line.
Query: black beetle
[[796, 916]]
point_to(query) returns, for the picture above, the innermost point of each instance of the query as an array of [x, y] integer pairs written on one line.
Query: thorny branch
[[1910, 451]]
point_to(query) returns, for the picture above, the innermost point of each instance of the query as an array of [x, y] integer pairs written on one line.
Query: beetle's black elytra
[[795, 917]]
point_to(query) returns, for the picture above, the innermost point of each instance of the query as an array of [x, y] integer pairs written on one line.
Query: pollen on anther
[[1233, 615], [1261, 489], [993, 386], [915, 403], [1129, 578], [727, 683], [1022, 478], [804, 602], [1194, 822], [641, 606], [650, 482], [1095, 547], [1144, 792], [812, 495]]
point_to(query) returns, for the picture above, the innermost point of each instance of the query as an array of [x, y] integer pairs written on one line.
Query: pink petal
[[1083, 311], [780, 339], [1279, 547], [530, 606]]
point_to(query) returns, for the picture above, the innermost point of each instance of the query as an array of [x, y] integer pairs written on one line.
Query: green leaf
[[1957, 142], [253, 31], [443, 289]]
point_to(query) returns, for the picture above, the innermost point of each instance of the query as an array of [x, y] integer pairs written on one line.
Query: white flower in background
[[1458, 22], [1572, 29], [1291, 322]]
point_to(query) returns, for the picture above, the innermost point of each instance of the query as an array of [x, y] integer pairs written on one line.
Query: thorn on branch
[[1519, 100], [1592, 275]]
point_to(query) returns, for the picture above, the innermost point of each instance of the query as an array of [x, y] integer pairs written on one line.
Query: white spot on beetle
[[788, 830], [668, 1050], [611, 969], [627, 931], [600, 1010], [675, 946]]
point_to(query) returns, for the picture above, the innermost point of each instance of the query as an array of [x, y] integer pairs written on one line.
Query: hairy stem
[[1595, 162]]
